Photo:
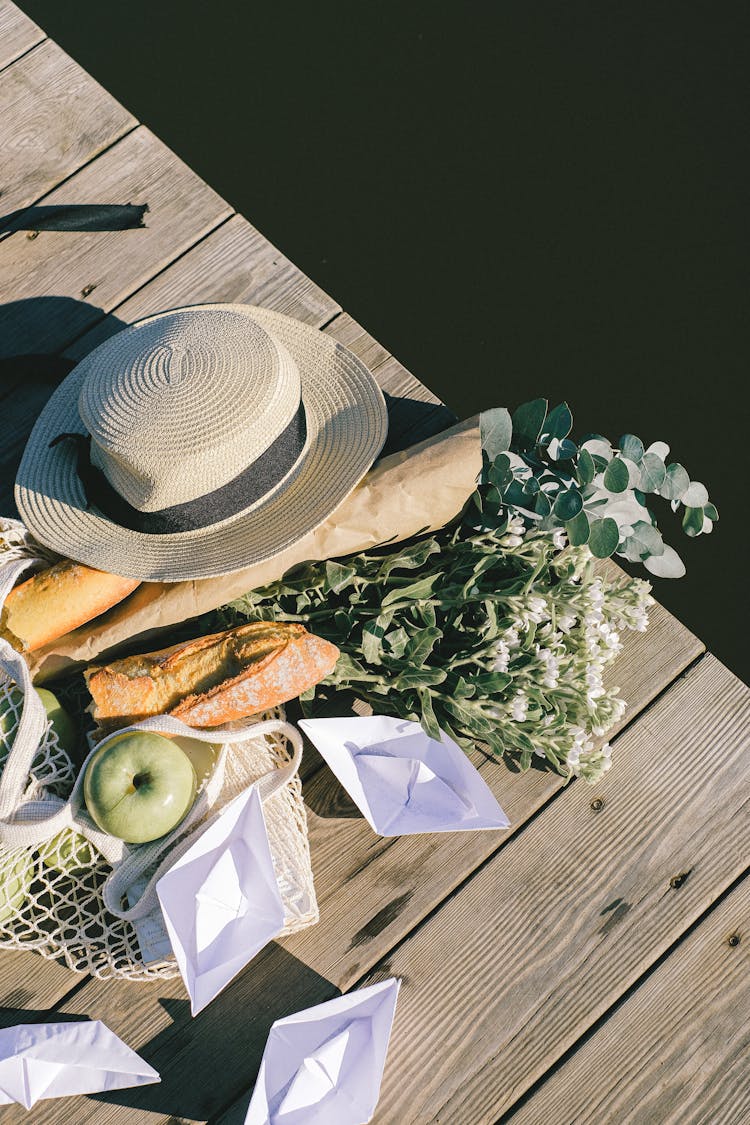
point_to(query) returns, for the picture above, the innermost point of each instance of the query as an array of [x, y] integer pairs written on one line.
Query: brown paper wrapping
[[415, 490]]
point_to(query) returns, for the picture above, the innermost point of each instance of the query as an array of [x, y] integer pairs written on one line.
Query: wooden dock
[[592, 965]]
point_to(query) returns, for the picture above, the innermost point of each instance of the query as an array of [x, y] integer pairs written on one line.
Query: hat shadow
[[31, 368]]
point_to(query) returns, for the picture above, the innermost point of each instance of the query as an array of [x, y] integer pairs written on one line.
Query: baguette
[[214, 679], [53, 602]]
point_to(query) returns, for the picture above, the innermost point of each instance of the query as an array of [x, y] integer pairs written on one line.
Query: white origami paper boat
[[324, 1066], [402, 780], [54, 1060], [220, 900]]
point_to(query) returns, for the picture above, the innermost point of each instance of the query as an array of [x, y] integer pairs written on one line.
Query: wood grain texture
[[677, 1050], [55, 270], [54, 118], [372, 893], [18, 34], [233, 264], [512, 971], [29, 984]]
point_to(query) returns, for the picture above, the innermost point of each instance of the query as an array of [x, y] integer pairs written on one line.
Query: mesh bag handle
[[24, 822], [165, 851]]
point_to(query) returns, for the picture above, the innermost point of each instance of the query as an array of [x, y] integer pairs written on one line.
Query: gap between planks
[[18, 34], [54, 120]]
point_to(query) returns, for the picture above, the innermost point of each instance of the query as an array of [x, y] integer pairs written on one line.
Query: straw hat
[[197, 442]]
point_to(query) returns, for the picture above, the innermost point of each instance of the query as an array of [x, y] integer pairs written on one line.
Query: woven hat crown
[[179, 405]]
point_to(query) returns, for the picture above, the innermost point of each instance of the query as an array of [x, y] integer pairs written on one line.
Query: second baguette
[[53, 602], [214, 679]]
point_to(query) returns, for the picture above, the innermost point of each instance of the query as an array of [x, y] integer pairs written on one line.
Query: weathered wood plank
[[233, 264], [511, 972], [372, 892], [53, 119], [62, 282], [30, 983], [18, 34], [677, 1050]]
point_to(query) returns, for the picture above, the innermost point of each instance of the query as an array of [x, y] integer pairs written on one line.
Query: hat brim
[[347, 424]]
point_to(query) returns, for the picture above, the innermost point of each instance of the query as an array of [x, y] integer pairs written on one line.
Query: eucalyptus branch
[[594, 491]]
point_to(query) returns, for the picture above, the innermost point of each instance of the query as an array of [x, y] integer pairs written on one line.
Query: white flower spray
[[557, 643]]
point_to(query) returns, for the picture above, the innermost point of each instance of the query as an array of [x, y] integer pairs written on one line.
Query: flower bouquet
[[498, 627]]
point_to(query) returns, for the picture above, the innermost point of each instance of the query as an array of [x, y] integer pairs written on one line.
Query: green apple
[[16, 877], [139, 786], [68, 852], [61, 722], [11, 703]]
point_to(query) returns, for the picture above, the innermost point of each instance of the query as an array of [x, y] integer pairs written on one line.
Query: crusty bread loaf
[[214, 679], [53, 602]]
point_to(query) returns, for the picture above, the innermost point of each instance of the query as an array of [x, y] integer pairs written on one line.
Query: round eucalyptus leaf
[[631, 447], [495, 430], [692, 521], [558, 424], [598, 446], [528, 420], [616, 476], [696, 495], [660, 448], [630, 549], [568, 504], [531, 486], [585, 469], [568, 450], [634, 472], [667, 565], [676, 482], [648, 539], [709, 510], [653, 472], [578, 530], [603, 538]]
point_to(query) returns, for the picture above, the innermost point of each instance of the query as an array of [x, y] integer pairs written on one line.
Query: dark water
[[516, 199]]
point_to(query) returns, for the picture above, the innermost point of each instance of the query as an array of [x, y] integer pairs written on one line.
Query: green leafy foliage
[[492, 629], [604, 537], [471, 647], [594, 491]]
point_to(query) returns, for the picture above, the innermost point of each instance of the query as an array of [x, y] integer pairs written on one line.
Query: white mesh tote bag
[[69, 890]]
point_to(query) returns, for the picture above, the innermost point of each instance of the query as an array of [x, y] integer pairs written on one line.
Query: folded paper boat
[[402, 780], [55, 1060], [324, 1066], [220, 900]]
